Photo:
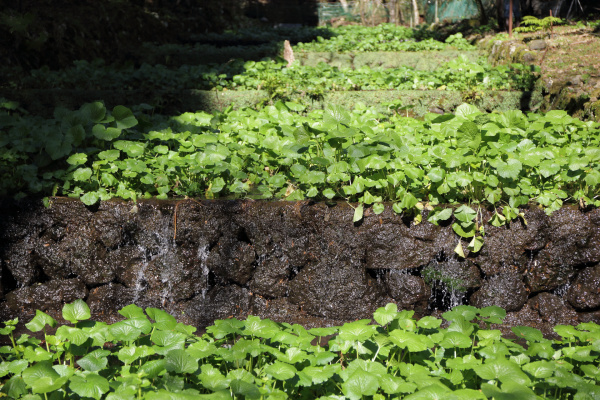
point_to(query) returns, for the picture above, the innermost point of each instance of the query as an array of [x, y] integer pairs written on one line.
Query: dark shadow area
[[111, 40], [36, 33], [303, 12]]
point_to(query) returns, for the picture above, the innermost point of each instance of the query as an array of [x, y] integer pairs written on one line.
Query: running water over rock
[[289, 261]]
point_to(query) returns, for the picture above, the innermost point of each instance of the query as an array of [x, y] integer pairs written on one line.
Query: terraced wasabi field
[[390, 206]]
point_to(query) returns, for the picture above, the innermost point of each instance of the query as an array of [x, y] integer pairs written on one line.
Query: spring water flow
[[165, 244], [203, 256], [446, 290]]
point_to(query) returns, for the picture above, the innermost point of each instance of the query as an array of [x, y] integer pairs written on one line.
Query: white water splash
[[203, 256]]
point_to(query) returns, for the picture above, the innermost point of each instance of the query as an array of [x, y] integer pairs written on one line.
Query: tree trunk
[[361, 4], [415, 12], [482, 15], [392, 11], [500, 15], [344, 5]]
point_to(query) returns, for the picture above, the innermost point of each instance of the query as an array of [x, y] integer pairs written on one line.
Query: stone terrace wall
[[290, 261]]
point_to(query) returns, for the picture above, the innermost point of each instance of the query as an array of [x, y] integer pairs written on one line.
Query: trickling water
[[165, 244], [447, 286], [203, 256], [139, 279], [562, 290]]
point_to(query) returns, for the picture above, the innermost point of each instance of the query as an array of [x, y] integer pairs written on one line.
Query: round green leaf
[[82, 174], [124, 117], [76, 311], [281, 371], [40, 320], [180, 362], [90, 198], [360, 384], [77, 159], [385, 315], [91, 385]]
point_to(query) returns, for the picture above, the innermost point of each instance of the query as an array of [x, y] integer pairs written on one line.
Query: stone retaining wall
[[290, 261]]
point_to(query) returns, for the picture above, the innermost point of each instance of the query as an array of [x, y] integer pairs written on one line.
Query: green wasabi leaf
[[281, 371], [358, 213], [76, 311], [124, 117], [90, 385], [180, 362], [90, 198], [385, 315], [77, 159], [40, 320], [360, 384], [82, 174]]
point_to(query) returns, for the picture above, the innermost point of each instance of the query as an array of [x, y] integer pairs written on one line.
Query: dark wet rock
[[174, 276], [90, 266], [129, 263], [275, 309], [151, 226], [271, 278], [45, 296], [232, 260], [504, 290], [51, 258], [584, 293], [219, 303], [277, 232], [202, 222], [335, 289], [553, 309], [331, 237], [575, 239], [203, 258], [512, 244], [18, 260], [77, 253], [526, 316], [396, 246], [544, 311], [541, 275], [408, 290], [108, 229], [537, 45], [592, 316], [109, 299]]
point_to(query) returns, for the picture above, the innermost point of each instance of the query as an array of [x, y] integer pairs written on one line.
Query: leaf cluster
[[533, 24], [272, 75], [500, 160], [383, 37], [149, 355]]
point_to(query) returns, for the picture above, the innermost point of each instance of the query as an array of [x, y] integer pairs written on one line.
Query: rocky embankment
[[569, 64], [290, 261]]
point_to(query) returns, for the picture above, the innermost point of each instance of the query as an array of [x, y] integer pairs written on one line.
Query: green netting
[[327, 11], [454, 10]]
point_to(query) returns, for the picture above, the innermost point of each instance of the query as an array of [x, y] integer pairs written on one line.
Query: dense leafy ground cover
[[500, 161], [279, 152], [383, 37], [150, 355], [459, 74]]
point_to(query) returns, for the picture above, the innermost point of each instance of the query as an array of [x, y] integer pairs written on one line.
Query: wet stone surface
[[290, 261]]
